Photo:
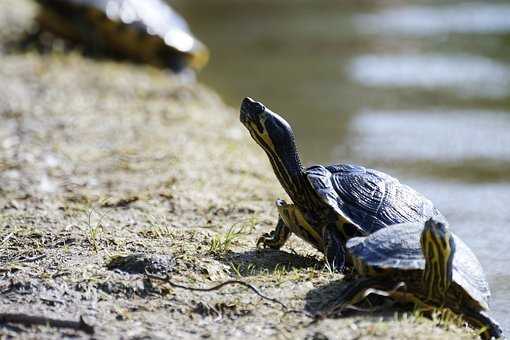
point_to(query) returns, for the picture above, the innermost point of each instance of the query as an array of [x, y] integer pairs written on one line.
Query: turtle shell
[[368, 198], [149, 31], [394, 247], [398, 248]]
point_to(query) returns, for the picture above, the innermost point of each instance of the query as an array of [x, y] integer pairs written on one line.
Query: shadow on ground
[[254, 262]]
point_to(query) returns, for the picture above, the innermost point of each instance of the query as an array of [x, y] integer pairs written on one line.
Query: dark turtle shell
[[149, 31], [368, 198], [397, 248]]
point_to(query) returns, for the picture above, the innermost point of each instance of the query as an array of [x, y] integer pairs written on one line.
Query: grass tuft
[[222, 243]]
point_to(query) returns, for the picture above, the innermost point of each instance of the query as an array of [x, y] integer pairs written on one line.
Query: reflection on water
[[423, 20], [425, 96], [468, 75], [444, 135]]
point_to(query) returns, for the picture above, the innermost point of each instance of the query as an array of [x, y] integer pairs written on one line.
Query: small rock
[[142, 263], [316, 336]]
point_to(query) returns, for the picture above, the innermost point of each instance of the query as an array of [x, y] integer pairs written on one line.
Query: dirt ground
[[109, 169]]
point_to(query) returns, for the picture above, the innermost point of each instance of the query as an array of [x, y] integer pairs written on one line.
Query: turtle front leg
[[276, 238], [334, 248]]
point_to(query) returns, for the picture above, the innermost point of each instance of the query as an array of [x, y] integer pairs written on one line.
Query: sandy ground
[[109, 169]]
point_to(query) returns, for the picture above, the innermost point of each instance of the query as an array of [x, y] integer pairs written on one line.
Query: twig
[[32, 259], [59, 274], [6, 238], [29, 320], [52, 301], [219, 286], [365, 310], [123, 202]]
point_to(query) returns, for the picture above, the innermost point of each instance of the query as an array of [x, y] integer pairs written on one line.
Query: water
[[421, 92]]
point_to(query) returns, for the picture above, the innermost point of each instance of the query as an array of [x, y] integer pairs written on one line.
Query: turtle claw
[[268, 240], [276, 238], [261, 241]]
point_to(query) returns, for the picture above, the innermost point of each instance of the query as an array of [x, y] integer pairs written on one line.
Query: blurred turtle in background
[[147, 31]]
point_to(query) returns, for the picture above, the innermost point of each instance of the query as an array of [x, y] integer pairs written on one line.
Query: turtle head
[[267, 128], [275, 136], [438, 247]]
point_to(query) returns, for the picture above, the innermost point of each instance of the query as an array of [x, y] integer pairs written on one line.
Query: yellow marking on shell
[[200, 57], [295, 220], [301, 220]]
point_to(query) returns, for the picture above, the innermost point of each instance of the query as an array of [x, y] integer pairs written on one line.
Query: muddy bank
[[101, 160]]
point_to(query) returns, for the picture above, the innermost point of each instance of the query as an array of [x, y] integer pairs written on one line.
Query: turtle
[[433, 265], [148, 31], [332, 203]]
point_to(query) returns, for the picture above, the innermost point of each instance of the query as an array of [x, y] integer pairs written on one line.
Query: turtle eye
[[257, 107]]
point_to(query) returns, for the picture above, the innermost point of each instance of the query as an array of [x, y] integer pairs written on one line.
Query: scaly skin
[[292, 220], [276, 238]]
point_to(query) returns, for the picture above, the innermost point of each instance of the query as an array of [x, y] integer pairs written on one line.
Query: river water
[[419, 91]]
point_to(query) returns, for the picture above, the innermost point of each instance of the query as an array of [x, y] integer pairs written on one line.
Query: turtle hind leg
[[355, 292], [334, 249], [482, 320], [276, 238], [383, 287]]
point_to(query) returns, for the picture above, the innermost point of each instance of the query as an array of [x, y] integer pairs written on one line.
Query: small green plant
[[280, 272], [155, 229], [95, 230], [442, 317], [295, 275], [236, 268], [445, 317], [251, 269], [222, 243], [243, 269]]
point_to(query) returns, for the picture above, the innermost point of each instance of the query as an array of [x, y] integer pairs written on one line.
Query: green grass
[[443, 317], [222, 243], [95, 229]]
